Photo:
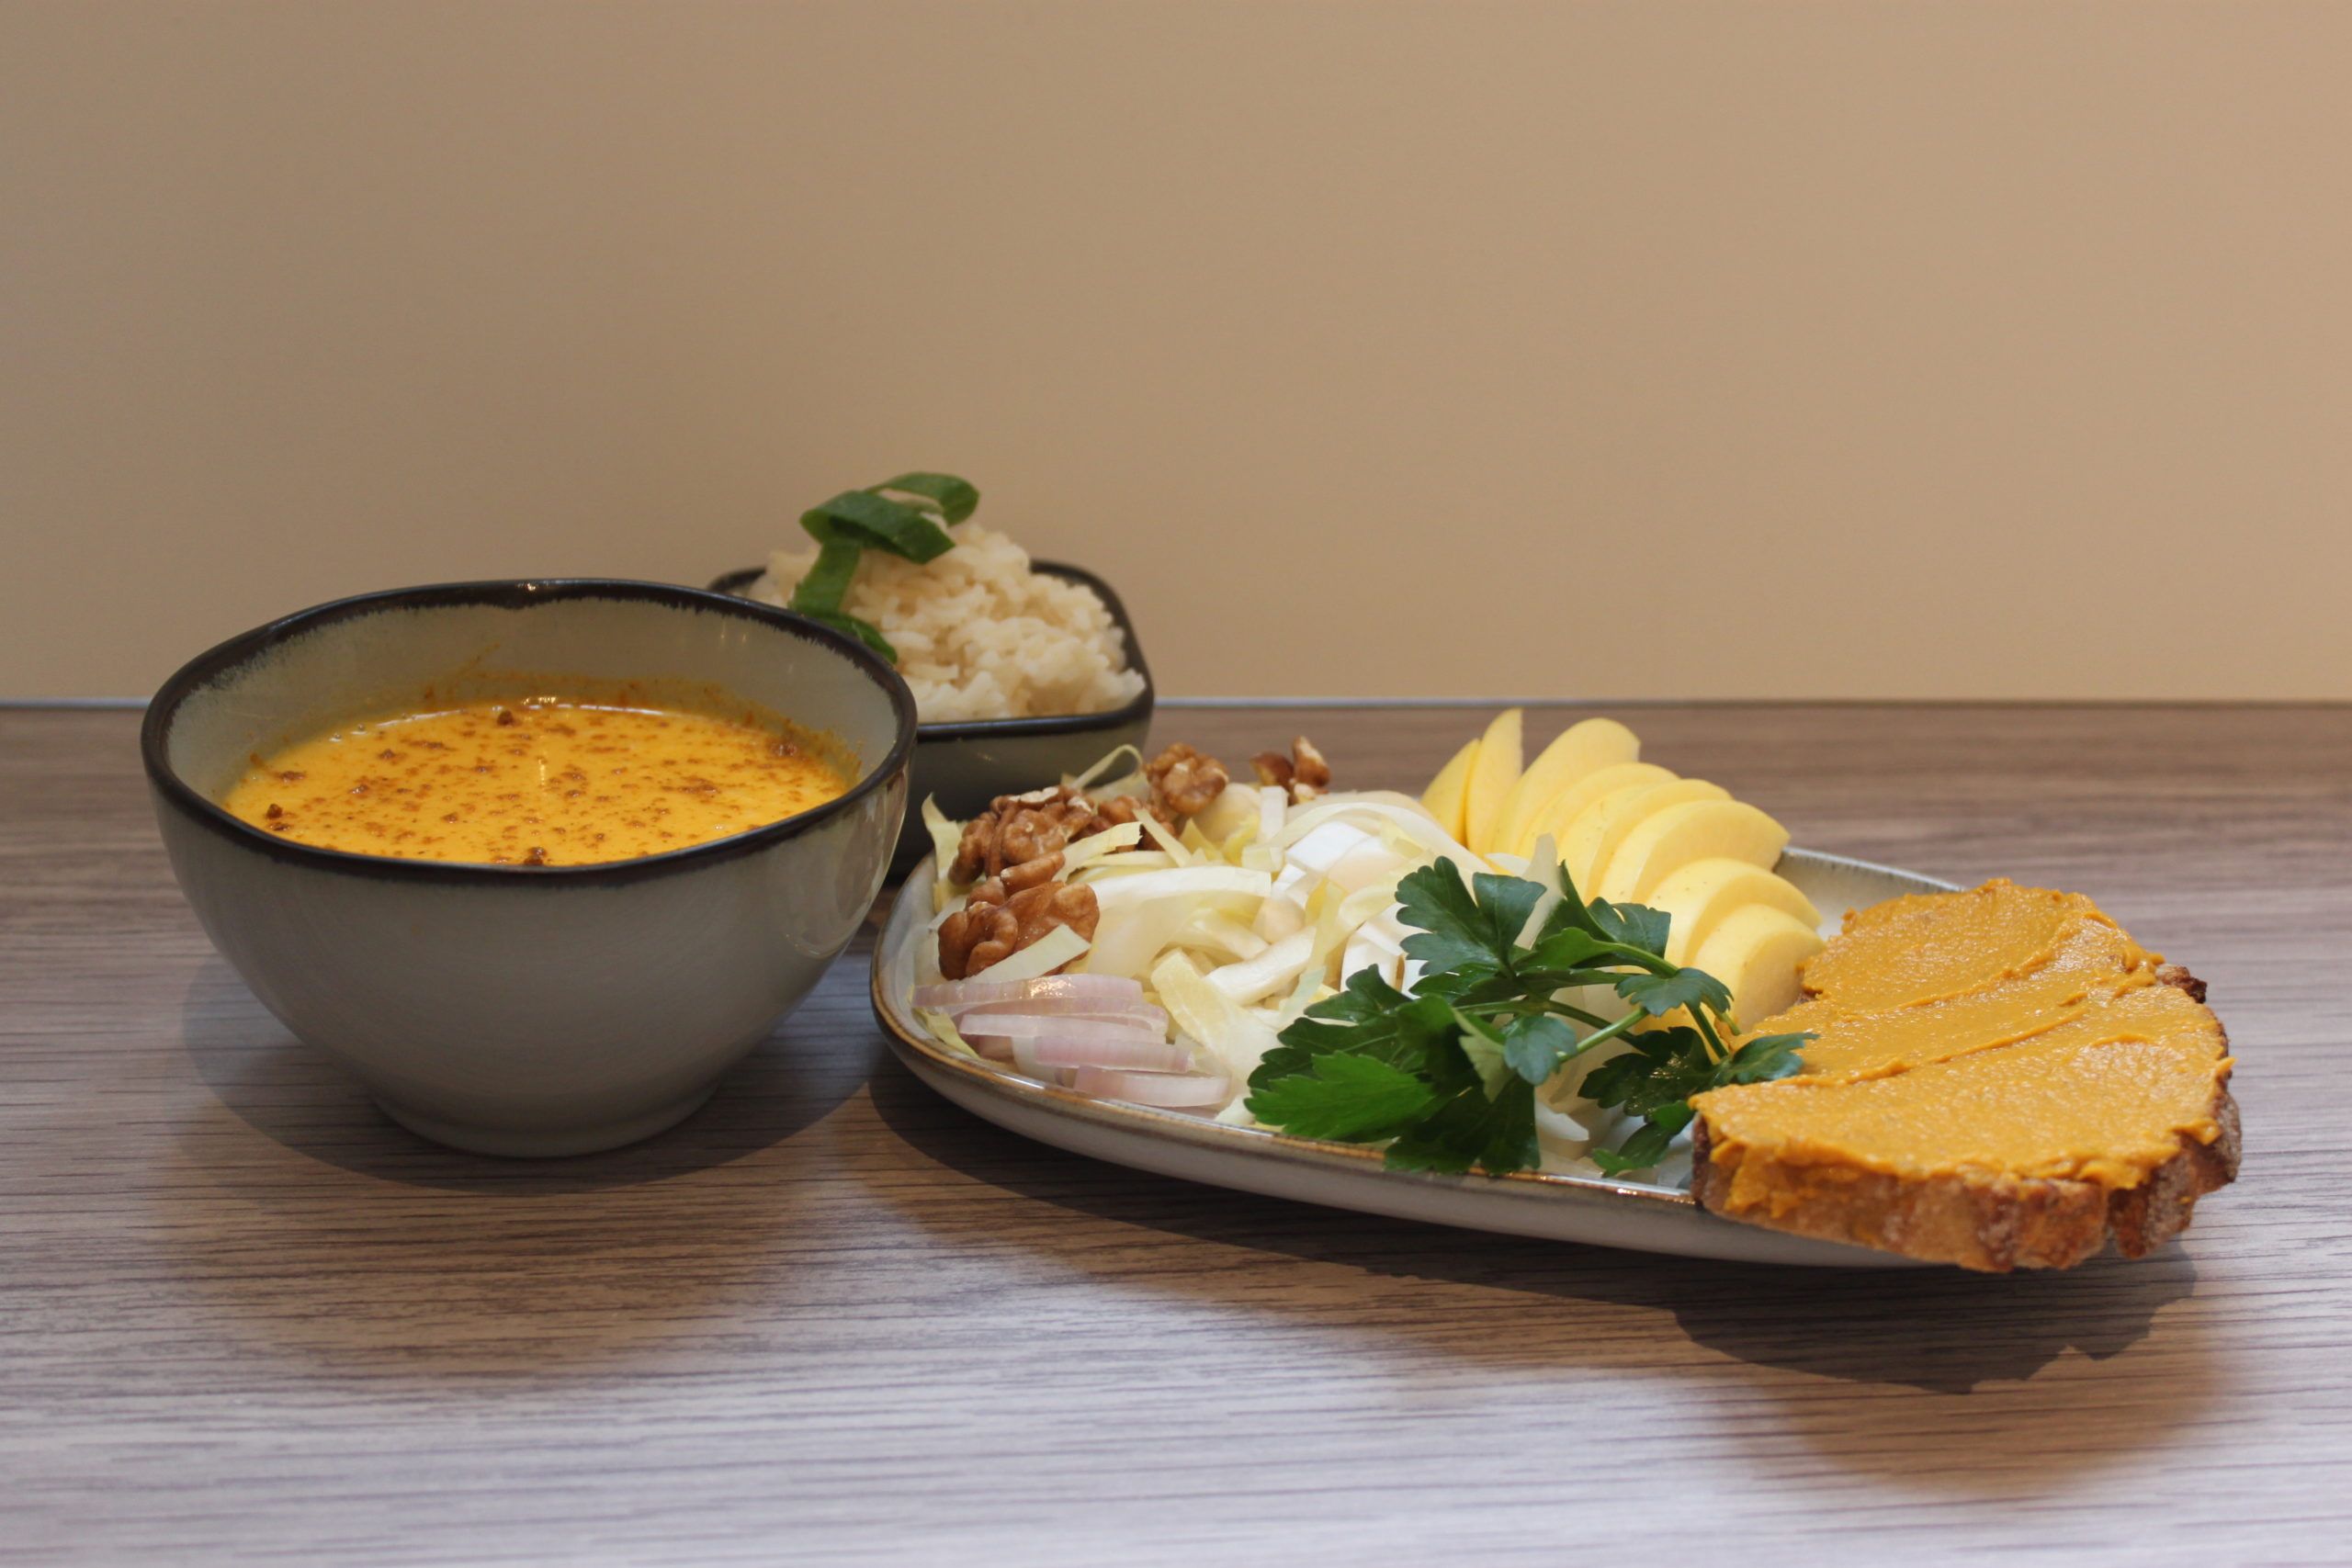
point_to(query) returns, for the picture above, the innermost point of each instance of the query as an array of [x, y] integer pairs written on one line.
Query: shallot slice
[[1150, 1056], [1142, 1021], [1081, 1029], [1169, 1089], [1044, 1058], [1097, 991], [1139, 1014], [1020, 1054]]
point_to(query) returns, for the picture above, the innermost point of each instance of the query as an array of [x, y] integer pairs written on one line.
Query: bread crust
[[1991, 1223]]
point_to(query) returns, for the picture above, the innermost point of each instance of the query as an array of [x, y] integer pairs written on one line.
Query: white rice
[[978, 634]]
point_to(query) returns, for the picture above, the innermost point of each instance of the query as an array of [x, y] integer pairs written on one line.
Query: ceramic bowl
[[516, 1009], [968, 764]]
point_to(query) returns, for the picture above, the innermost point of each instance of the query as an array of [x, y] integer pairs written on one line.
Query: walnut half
[[1017, 829], [1183, 781], [1303, 774], [999, 921]]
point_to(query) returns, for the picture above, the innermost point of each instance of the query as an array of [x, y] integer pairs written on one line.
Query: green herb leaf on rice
[[859, 519], [956, 499]]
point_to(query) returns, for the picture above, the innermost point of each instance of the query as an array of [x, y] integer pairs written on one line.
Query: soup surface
[[533, 781]]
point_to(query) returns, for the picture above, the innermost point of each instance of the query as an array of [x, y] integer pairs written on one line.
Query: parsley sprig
[[1446, 1076], [876, 518]]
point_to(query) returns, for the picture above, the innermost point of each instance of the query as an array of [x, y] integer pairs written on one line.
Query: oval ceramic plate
[[1346, 1175]]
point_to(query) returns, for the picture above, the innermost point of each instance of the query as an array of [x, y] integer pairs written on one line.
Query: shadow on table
[[293, 1095], [1951, 1358], [314, 1226]]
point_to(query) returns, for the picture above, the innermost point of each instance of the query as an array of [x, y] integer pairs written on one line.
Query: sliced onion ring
[[1169, 1089]]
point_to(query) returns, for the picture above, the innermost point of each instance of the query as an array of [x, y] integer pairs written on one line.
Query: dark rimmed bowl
[[516, 1009], [967, 765]]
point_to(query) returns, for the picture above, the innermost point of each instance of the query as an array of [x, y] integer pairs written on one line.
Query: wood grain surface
[[833, 1320]]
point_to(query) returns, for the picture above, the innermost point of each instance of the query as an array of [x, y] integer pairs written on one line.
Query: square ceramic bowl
[[531, 1010], [967, 765]]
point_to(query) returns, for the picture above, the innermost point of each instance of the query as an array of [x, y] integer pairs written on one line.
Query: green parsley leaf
[[1498, 1134], [1570, 913], [1536, 1047], [1664, 1069], [1375, 1020], [1764, 1058], [1484, 1050], [1452, 933], [1571, 949], [1644, 1148], [1361, 998], [1463, 928], [1625, 925], [1633, 924], [1658, 995], [1666, 1066], [1448, 1074], [1505, 902], [1352, 1098], [1462, 984], [1606, 925]]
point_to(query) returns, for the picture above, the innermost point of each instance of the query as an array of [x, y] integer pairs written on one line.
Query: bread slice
[[2135, 1068]]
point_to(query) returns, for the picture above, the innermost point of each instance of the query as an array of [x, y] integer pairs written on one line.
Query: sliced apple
[[1698, 896], [1666, 841], [1448, 793], [1586, 846], [1583, 748], [1756, 951], [1492, 773], [1571, 802]]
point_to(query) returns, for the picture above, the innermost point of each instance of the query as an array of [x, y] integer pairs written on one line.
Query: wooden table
[[832, 1319]]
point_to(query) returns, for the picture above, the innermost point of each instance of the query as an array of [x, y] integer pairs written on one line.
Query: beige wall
[[1632, 349]]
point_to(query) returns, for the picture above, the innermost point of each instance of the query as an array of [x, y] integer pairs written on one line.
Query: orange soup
[[533, 781]]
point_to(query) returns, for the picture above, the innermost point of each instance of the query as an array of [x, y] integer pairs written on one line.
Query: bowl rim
[[514, 594], [733, 583]]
